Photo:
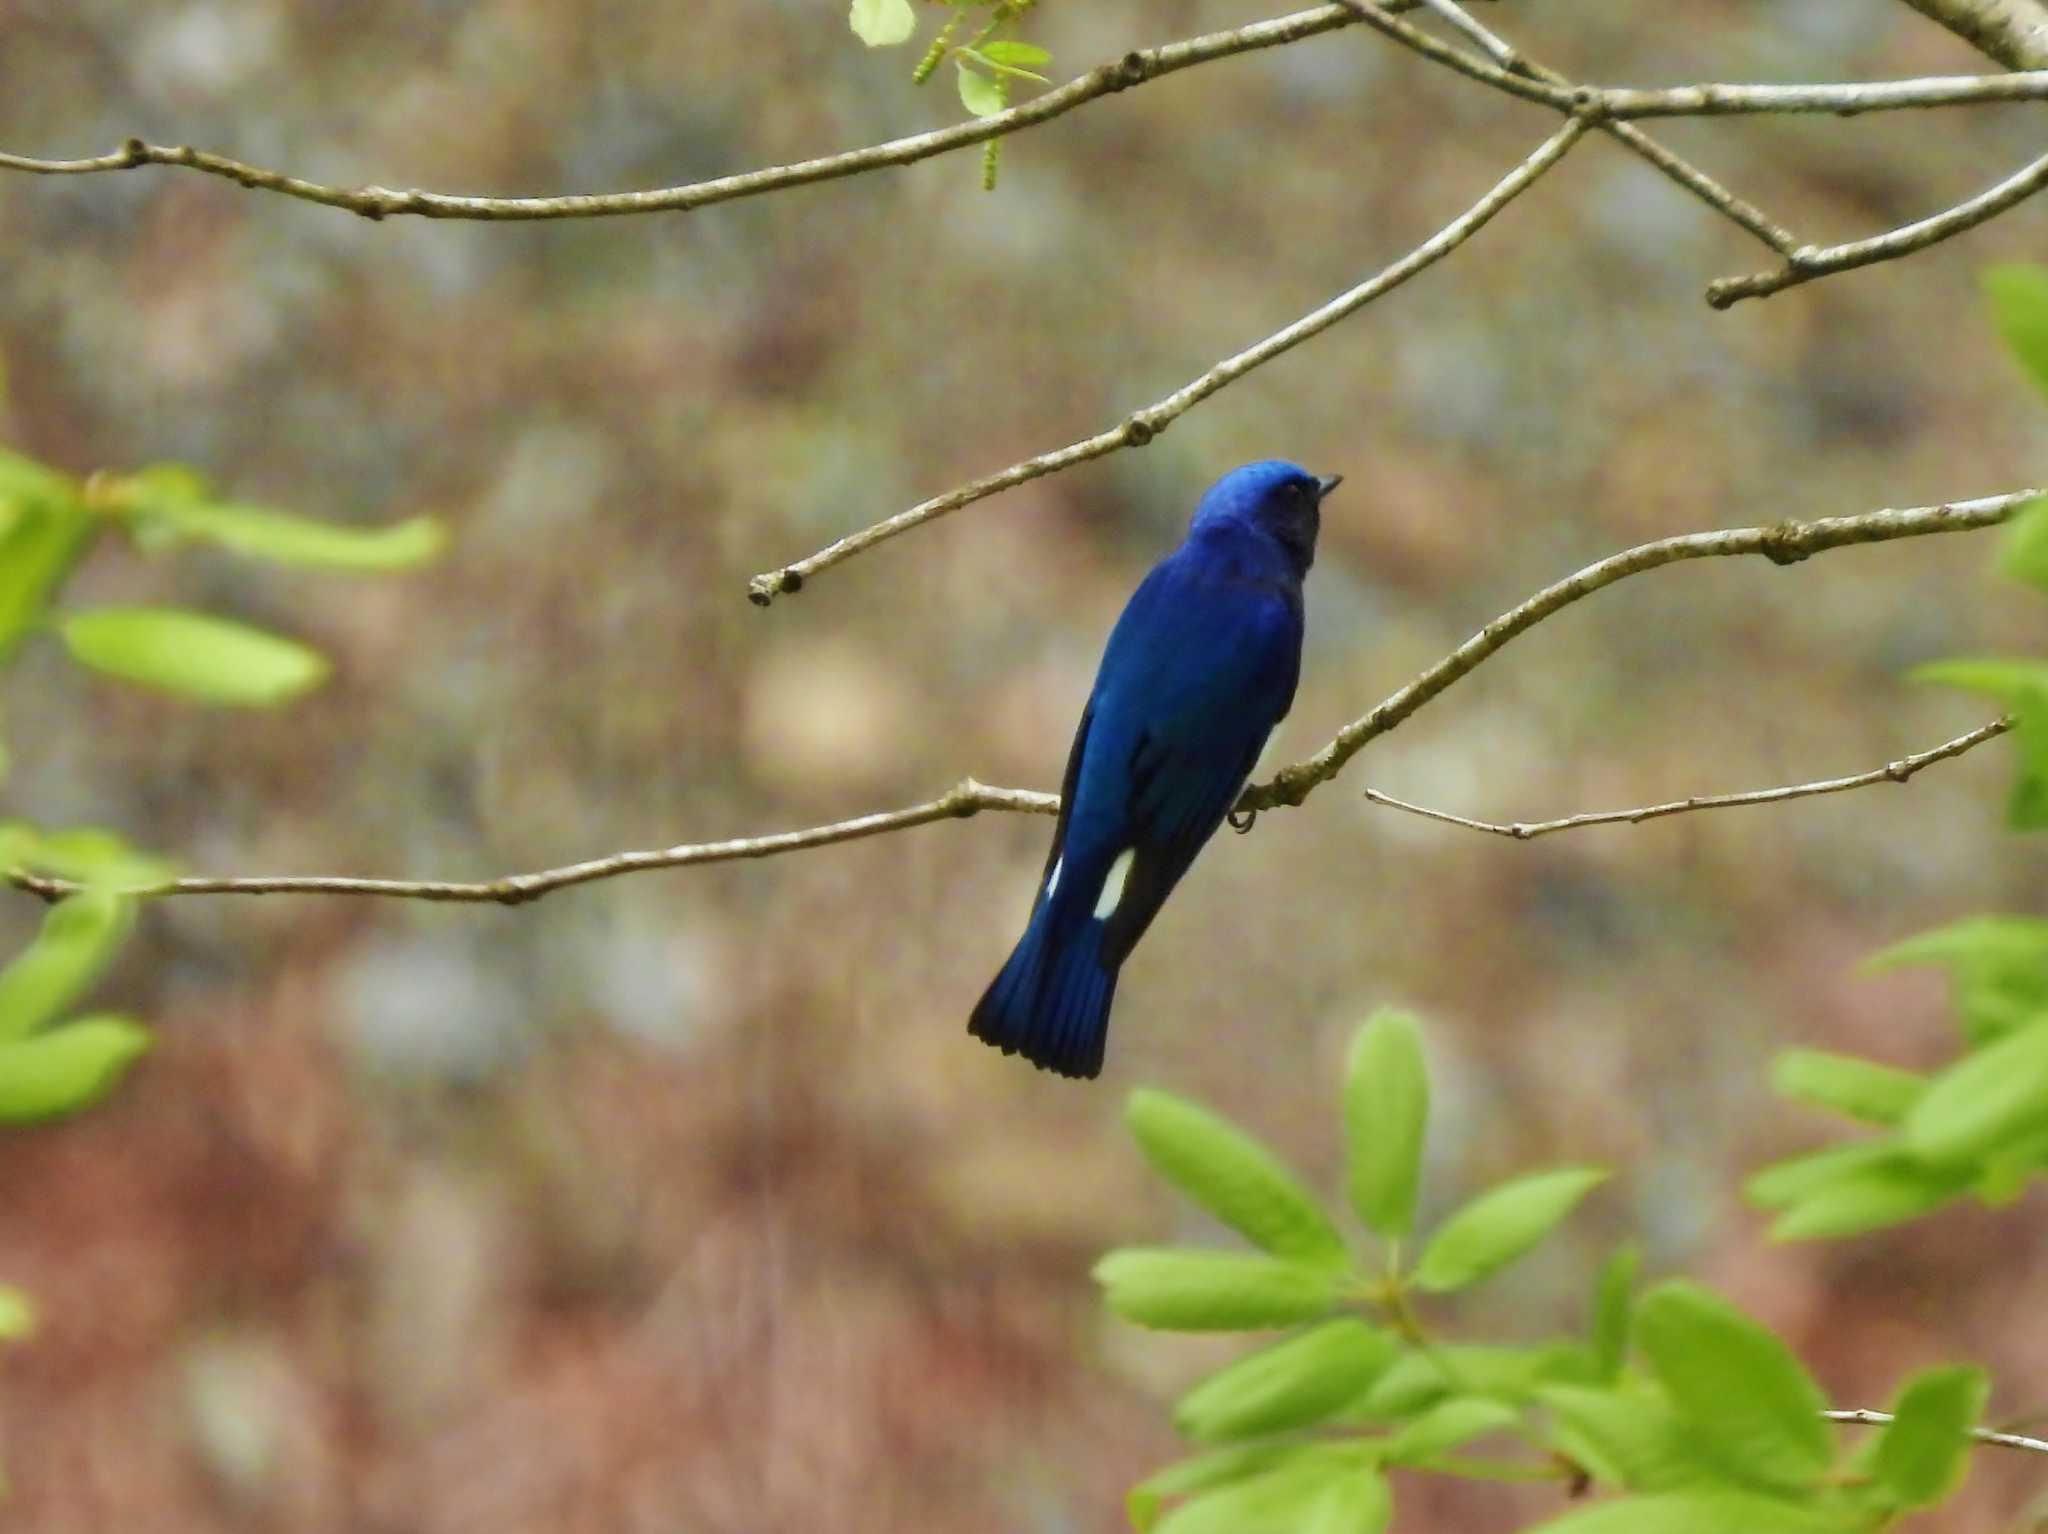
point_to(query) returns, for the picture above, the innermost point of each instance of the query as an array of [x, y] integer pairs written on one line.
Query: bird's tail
[[1051, 1002]]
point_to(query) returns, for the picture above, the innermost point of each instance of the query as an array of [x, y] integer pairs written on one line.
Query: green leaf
[[1019, 55], [1922, 1452], [2026, 546], [1276, 1502], [1358, 1503], [882, 23], [1997, 965], [2022, 685], [1787, 1182], [1985, 1100], [1386, 1111], [1614, 1310], [1704, 1510], [64, 1069], [1190, 1291], [259, 533], [87, 854], [1500, 1225], [994, 65], [1416, 1381], [1289, 1385], [1447, 1426], [80, 936], [1747, 1399], [210, 659], [1232, 1176], [17, 1315], [1885, 1192], [1201, 1472], [2019, 306], [42, 541], [1623, 1438], [981, 94], [1857, 1089]]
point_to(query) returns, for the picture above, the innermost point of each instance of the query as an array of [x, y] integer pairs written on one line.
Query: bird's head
[[1275, 498]]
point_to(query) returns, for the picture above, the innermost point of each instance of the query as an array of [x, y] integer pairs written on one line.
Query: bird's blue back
[[1200, 667]]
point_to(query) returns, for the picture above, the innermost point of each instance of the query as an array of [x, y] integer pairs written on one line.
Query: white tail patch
[[1052, 880], [1113, 886]]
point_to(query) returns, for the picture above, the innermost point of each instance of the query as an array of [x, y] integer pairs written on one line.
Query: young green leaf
[[1623, 1438], [1706, 1510], [1922, 1452], [1189, 1291], [1885, 1192], [1291, 1384], [981, 94], [17, 1315], [1386, 1111], [1997, 965], [209, 659], [1232, 1176], [1857, 1089], [1614, 1311], [1200, 1472], [64, 1069], [1747, 1400], [79, 938], [1985, 1100], [89, 854], [1017, 55], [882, 23], [2019, 306], [1785, 1183], [1276, 1502], [42, 541], [2026, 546], [1500, 1225], [1358, 1503], [262, 534], [1447, 1426]]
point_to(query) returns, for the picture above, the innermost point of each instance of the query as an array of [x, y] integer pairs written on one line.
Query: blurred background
[[683, 1202]]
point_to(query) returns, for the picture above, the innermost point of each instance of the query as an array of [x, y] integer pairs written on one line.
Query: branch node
[[1131, 69], [1139, 430], [1784, 543], [1588, 104], [763, 589], [134, 152]]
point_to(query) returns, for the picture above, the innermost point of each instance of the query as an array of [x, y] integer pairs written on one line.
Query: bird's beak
[[1328, 483]]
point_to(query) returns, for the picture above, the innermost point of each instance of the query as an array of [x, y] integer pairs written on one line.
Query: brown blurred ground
[[684, 1203]]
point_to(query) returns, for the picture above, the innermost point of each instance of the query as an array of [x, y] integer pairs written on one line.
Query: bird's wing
[[1193, 681]]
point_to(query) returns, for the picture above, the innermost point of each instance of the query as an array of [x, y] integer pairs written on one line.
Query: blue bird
[[1199, 669]]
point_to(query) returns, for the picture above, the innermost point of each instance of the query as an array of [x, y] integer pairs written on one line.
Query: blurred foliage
[[49, 523], [1979, 1125], [1702, 1419]]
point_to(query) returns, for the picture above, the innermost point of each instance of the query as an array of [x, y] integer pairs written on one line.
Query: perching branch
[[1981, 1434], [1892, 772], [1142, 426], [1785, 543]]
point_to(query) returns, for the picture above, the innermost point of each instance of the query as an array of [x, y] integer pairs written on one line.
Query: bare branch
[[2014, 32], [376, 202], [1784, 543], [1712, 100], [967, 798], [1892, 772], [1809, 262], [1143, 425], [1981, 1434], [1660, 158]]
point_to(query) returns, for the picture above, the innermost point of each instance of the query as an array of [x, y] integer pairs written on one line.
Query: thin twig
[[967, 798], [1785, 543], [376, 202], [1981, 1434], [1891, 772], [1809, 262], [2014, 32], [1143, 425], [1667, 161]]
